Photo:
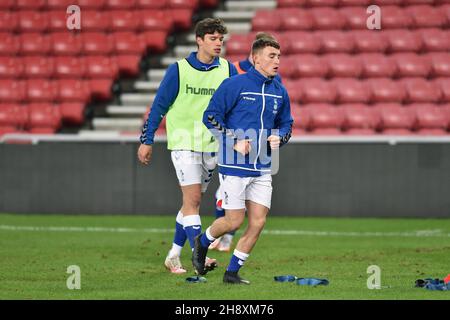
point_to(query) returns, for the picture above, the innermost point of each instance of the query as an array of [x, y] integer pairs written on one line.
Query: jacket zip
[[262, 124]]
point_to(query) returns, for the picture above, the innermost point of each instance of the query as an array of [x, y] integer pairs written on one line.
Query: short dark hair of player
[[261, 35], [209, 26], [261, 43]]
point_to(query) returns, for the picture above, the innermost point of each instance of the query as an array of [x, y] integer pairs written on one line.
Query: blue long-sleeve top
[[248, 106], [168, 92]]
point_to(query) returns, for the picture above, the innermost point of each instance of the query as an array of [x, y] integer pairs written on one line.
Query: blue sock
[[237, 261], [192, 227], [206, 239], [180, 234]]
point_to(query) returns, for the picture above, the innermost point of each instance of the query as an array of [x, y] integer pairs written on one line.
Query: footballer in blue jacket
[[250, 116]]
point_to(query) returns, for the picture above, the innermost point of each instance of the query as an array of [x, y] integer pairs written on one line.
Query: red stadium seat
[[72, 113], [360, 117], [59, 4], [425, 16], [183, 4], [96, 43], [355, 17], [343, 65], [435, 39], [295, 89], [286, 66], [321, 3], [38, 67], [430, 116], [32, 21], [155, 41], [44, 118], [13, 116], [69, 67], [127, 43], [326, 117], [95, 21], [444, 85], [302, 42], [352, 91], [446, 9], [239, 44], [387, 90], [370, 41], [101, 67], [301, 116], [327, 19], [65, 44], [412, 2], [7, 4], [34, 44], [387, 2], [308, 65], [421, 90], [120, 4], [151, 4], [336, 41], [72, 90], [394, 17], [9, 45], [348, 3], [182, 18], [30, 4], [318, 90], [412, 65], [397, 120], [440, 64], [10, 67], [294, 19], [57, 21], [12, 91], [128, 64], [154, 20], [8, 21], [403, 40], [41, 90], [89, 4], [291, 3], [100, 89], [123, 20], [376, 65], [265, 20]]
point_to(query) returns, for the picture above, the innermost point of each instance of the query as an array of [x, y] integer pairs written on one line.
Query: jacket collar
[[197, 64], [254, 74], [245, 64]]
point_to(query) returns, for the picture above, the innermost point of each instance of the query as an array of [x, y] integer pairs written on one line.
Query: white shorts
[[194, 167], [236, 190]]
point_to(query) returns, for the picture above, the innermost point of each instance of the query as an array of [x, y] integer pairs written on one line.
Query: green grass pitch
[[121, 257]]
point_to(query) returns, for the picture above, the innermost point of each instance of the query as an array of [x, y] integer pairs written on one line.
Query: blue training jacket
[[168, 92], [248, 106]]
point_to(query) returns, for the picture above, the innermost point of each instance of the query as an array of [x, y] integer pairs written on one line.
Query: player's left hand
[[274, 141]]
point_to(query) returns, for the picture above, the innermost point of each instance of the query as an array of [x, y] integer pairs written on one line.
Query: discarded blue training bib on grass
[[287, 278], [311, 282], [195, 279]]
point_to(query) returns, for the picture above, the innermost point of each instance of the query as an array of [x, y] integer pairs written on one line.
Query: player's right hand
[[243, 146], [145, 153]]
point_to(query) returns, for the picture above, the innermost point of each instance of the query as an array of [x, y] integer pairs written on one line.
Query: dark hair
[[261, 43], [261, 35], [209, 25]]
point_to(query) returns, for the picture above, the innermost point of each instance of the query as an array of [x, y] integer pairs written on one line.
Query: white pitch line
[[418, 233]]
